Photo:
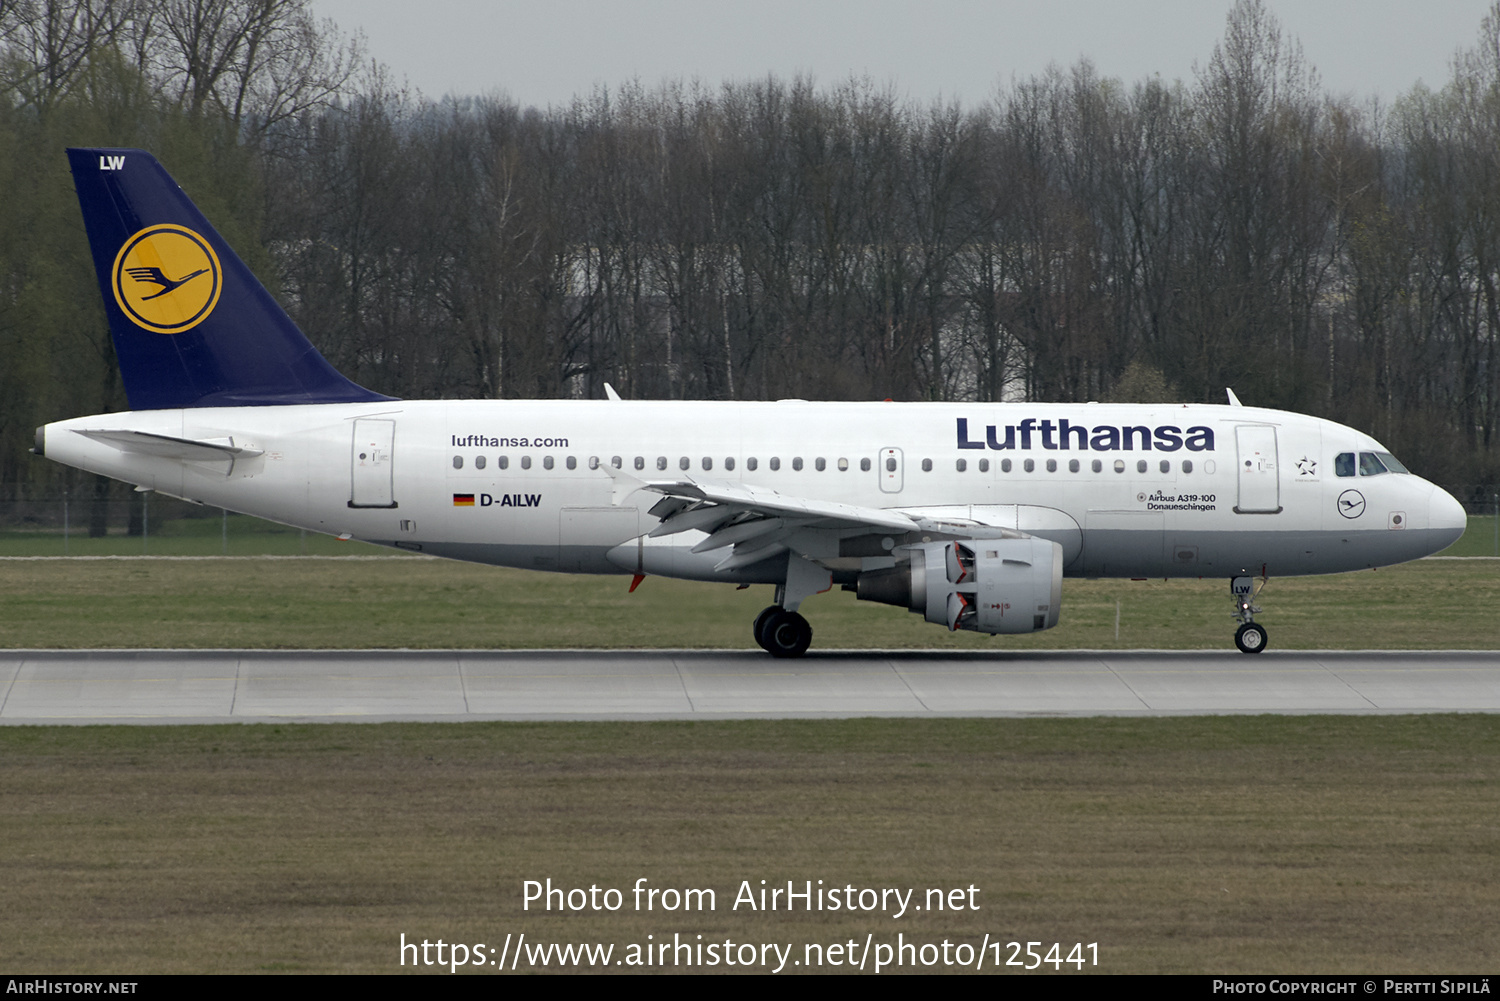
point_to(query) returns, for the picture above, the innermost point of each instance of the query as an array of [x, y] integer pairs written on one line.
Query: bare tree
[[258, 62], [47, 44]]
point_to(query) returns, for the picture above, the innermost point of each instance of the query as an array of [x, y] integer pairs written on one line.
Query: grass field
[[232, 535], [1259, 844], [406, 602], [1264, 844], [1479, 539]]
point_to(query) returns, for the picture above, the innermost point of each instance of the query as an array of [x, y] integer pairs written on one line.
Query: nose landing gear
[[1251, 636]]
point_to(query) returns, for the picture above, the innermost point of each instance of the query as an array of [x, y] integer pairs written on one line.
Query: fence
[[149, 524]]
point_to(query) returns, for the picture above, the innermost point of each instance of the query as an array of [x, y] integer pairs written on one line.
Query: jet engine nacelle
[[987, 585]]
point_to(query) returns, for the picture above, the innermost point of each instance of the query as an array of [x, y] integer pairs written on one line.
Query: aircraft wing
[[758, 522]]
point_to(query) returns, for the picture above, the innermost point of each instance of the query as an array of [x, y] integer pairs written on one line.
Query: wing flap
[[759, 523], [741, 498]]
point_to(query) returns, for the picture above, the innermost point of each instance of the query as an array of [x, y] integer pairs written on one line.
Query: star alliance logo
[[1307, 467]]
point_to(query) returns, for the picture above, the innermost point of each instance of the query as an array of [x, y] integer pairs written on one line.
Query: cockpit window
[[1370, 464], [1392, 463], [1343, 464]]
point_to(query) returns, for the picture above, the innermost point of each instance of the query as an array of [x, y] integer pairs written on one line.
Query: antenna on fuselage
[[1234, 401], [609, 393]]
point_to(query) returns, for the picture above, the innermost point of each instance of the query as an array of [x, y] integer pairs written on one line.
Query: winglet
[[609, 392], [1234, 401]]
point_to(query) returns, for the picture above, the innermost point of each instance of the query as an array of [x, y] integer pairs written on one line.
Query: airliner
[[968, 514]]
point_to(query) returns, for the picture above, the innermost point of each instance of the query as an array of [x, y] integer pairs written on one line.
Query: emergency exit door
[[892, 473]]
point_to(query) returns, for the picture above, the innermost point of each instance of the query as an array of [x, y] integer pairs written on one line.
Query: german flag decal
[[463, 500]]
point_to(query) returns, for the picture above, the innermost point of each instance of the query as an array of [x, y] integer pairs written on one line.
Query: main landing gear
[[1251, 636], [779, 630], [781, 633]]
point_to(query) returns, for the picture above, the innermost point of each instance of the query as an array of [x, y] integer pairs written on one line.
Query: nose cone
[[1446, 518]]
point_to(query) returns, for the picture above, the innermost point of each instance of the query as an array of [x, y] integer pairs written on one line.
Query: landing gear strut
[[1251, 636], [781, 633]]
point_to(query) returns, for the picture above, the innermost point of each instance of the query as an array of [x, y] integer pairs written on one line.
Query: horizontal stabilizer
[[167, 447]]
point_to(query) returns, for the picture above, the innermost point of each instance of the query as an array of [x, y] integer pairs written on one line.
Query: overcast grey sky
[[545, 53]]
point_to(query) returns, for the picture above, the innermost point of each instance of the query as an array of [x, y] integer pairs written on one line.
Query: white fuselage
[[1188, 490]]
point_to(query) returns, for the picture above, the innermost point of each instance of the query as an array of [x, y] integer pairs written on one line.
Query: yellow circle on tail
[[167, 279]]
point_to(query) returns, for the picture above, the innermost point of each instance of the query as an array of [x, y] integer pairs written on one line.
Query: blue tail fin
[[192, 326]]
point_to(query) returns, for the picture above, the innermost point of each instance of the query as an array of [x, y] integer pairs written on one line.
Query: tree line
[[1071, 238]]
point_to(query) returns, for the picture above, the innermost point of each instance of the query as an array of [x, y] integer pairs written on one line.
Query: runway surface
[[195, 686]]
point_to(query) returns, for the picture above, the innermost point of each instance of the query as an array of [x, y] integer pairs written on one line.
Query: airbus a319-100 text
[[968, 514]]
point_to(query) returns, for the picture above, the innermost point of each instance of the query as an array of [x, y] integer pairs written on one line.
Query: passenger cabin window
[[1004, 465], [546, 462], [1051, 465], [984, 465], [573, 463], [820, 464], [843, 465], [503, 461], [1343, 464], [961, 465], [1187, 465], [709, 463], [1030, 466], [1098, 466], [478, 462], [890, 465], [797, 463], [729, 463], [458, 462], [751, 463], [615, 461], [684, 463], [661, 462], [640, 462], [1073, 465], [926, 465], [525, 462], [864, 465], [775, 463]]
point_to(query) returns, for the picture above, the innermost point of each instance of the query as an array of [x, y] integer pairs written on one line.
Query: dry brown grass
[[1260, 844]]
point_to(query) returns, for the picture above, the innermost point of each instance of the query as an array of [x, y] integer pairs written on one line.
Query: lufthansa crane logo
[[167, 279], [1351, 503]]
